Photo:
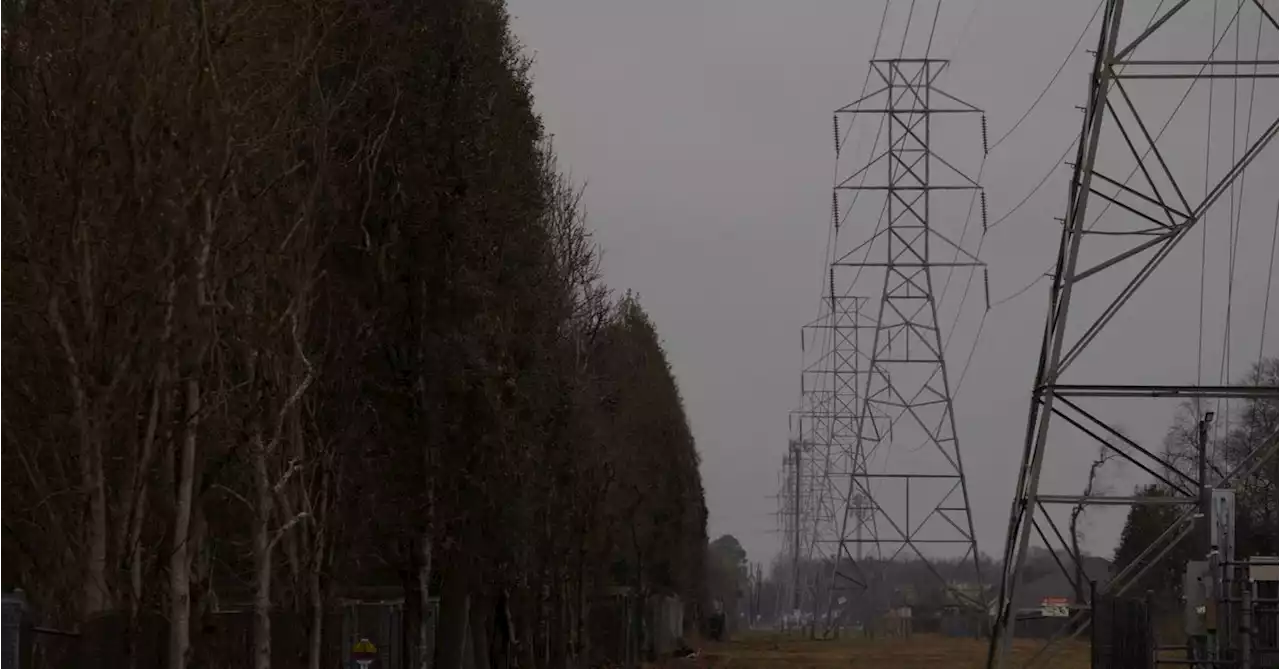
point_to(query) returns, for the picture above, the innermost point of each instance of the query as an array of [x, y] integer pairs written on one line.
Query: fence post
[[17, 632], [1246, 626], [1093, 624], [1150, 627]]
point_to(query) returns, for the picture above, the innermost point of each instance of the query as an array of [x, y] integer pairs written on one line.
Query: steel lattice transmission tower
[[791, 515], [903, 491], [1078, 399], [830, 388]]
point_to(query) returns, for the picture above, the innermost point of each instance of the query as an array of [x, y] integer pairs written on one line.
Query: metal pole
[[1203, 523], [1202, 530], [1246, 626], [1001, 648], [1152, 654], [1094, 657]]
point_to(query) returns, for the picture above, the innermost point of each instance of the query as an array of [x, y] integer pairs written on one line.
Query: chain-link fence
[[1121, 634]]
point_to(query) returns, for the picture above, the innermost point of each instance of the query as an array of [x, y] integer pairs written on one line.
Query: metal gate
[[1121, 633]]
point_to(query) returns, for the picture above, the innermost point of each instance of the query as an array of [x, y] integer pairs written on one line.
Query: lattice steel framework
[[791, 516], [904, 455], [828, 431], [1150, 218]]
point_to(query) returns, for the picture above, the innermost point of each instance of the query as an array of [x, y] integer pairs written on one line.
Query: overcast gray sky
[[702, 129]]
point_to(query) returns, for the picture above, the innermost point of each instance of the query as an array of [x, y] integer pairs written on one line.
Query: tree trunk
[[318, 564], [526, 634], [425, 619], [559, 630], [138, 507], [580, 613], [97, 594], [262, 550], [94, 599], [315, 635], [412, 619], [503, 630], [321, 589], [479, 629], [451, 636], [180, 557]]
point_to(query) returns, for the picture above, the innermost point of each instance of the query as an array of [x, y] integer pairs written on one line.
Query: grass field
[[922, 651]]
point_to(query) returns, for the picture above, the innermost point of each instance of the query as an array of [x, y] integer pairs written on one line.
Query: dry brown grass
[[922, 651]]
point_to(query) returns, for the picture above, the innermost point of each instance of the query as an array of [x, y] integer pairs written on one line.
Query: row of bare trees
[[295, 296]]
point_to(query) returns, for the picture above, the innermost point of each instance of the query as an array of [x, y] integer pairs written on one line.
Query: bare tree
[[1094, 484]]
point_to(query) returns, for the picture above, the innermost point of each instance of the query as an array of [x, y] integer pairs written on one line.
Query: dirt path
[[922, 651]]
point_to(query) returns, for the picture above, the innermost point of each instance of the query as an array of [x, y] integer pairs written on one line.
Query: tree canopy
[[297, 297]]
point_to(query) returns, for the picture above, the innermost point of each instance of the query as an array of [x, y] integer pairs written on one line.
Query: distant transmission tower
[[900, 479], [789, 523], [795, 496], [827, 437], [1078, 399]]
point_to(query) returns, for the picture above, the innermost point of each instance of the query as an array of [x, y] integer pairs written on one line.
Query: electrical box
[[1197, 590], [1264, 569], [1222, 522], [17, 632]]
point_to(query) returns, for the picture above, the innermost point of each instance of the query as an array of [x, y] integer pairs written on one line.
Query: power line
[[937, 9], [1040, 184], [834, 228], [988, 149], [964, 29], [1235, 209], [1271, 269], [1021, 290], [1052, 79], [906, 30]]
